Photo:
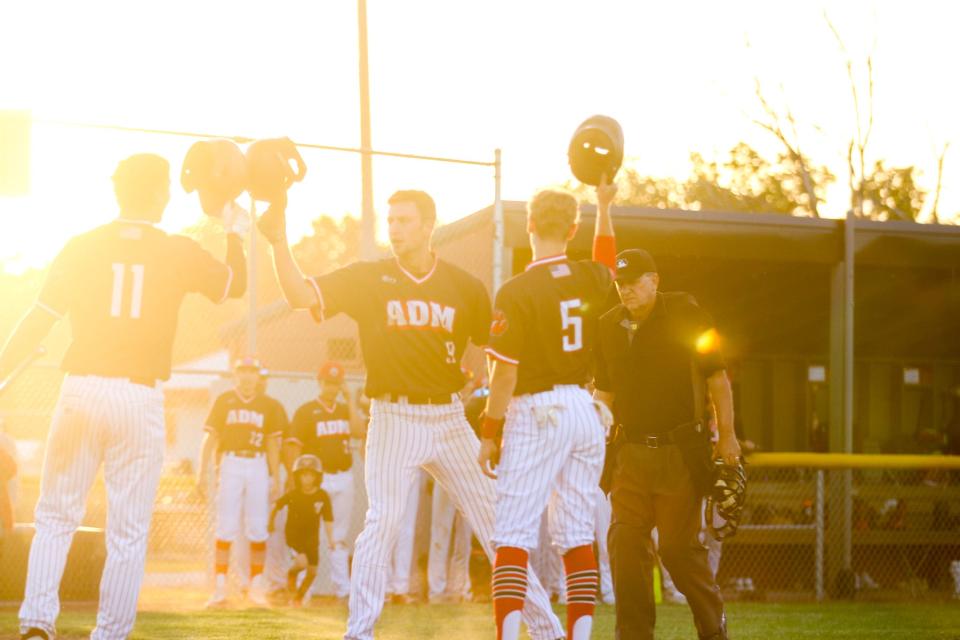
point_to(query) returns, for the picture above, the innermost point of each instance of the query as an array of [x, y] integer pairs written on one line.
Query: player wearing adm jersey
[[121, 286], [323, 427], [416, 315], [244, 430], [541, 351]]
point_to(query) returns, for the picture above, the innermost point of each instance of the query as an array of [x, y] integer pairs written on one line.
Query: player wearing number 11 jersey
[[120, 285], [541, 345]]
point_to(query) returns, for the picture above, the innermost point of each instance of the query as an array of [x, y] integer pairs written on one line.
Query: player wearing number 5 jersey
[[244, 428], [541, 346], [416, 315], [120, 285]]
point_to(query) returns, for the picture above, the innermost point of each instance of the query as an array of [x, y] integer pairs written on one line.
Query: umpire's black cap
[[633, 263]]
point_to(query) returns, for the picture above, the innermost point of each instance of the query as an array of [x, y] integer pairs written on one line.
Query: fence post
[[818, 549]]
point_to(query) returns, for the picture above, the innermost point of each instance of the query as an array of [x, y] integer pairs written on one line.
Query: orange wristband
[[491, 428]]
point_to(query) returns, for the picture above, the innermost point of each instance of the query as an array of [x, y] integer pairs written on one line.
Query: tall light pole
[[368, 221]]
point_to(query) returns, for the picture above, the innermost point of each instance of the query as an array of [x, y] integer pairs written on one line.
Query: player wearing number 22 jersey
[[245, 425], [541, 342], [416, 315]]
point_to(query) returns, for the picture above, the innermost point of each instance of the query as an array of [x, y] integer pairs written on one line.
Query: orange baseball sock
[[509, 590], [258, 553], [222, 556], [582, 582]]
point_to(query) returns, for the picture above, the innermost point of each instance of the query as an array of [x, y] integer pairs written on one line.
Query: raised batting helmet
[[596, 149], [307, 462], [726, 500], [270, 173], [217, 171]]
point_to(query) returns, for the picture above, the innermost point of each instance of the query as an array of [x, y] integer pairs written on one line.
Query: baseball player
[[323, 428], [541, 342], [244, 429], [416, 314], [305, 505], [120, 285]]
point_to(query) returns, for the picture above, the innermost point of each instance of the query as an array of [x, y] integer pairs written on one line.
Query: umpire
[[657, 360]]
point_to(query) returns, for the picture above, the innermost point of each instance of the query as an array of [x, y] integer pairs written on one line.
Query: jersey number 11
[[136, 300]]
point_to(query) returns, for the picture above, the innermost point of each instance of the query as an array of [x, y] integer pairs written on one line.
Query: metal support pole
[[849, 257], [818, 549], [252, 283], [497, 278], [368, 220]]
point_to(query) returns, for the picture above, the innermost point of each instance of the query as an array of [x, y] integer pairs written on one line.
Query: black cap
[[633, 263]]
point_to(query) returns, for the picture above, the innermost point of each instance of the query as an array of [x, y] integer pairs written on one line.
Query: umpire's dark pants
[[652, 488]]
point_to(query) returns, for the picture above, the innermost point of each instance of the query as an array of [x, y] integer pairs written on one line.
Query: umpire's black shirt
[[651, 372]]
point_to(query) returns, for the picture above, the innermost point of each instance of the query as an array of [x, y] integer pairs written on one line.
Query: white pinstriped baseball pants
[[118, 424], [401, 439], [553, 448]]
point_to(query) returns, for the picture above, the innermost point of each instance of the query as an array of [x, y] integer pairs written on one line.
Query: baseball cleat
[[219, 597], [258, 591]]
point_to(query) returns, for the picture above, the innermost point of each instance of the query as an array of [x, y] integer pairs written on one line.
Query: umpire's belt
[[675, 435], [244, 454], [415, 398]]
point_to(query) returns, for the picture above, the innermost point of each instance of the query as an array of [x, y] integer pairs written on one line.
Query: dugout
[[774, 285]]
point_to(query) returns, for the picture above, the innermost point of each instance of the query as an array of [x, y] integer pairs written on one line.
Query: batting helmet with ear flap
[[726, 499], [307, 462], [268, 163], [596, 149], [217, 171]]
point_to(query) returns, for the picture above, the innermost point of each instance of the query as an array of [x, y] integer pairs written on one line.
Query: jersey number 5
[[572, 325], [136, 300]]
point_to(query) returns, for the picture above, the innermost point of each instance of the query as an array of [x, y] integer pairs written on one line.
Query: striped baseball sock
[[582, 582], [222, 557], [258, 553], [509, 590]]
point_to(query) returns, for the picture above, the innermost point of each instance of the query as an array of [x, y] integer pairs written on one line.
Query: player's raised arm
[[273, 225], [604, 241]]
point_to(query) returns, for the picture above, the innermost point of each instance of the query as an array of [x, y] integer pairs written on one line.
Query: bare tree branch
[[936, 194]]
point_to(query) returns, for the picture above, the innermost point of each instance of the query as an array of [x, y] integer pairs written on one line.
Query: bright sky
[[457, 79]]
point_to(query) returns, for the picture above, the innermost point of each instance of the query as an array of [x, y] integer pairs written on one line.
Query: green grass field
[[748, 621]]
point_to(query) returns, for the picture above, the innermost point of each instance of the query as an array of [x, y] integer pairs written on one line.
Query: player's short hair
[[138, 178], [553, 212], [424, 203]]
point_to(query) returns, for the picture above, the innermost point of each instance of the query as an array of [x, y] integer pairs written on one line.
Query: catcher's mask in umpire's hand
[[217, 170], [270, 173], [726, 500], [596, 149]]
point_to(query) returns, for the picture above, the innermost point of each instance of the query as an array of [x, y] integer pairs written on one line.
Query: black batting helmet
[[726, 499], [307, 462], [270, 173], [217, 170], [596, 149]]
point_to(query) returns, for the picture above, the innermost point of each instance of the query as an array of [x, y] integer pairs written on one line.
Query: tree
[[891, 193], [331, 244], [749, 183]]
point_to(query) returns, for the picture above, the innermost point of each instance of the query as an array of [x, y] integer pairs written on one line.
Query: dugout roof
[[767, 277]]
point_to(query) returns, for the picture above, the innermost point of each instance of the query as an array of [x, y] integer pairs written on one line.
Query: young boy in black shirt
[[306, 504]]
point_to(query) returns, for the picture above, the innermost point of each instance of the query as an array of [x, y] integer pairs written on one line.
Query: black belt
[[417, 398], [657, 440], [244, 454]]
